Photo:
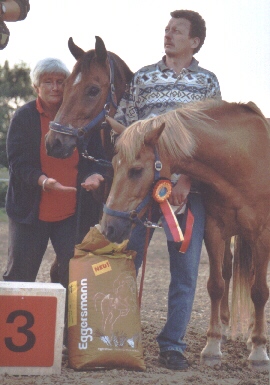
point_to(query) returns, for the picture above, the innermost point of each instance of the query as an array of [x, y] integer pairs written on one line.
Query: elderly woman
[[42, 195]]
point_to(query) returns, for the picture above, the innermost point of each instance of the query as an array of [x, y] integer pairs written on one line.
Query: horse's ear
[[76, 51], [116, 126], [101, 51], [151, 137]]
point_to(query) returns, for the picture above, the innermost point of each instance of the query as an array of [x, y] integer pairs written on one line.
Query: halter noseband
[[133, 214], [81, 132]]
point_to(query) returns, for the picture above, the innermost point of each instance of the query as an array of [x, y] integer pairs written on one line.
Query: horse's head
[[134, 172], [92, 91]]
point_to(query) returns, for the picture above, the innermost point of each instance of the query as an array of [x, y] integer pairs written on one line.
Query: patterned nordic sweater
[[156, 89]]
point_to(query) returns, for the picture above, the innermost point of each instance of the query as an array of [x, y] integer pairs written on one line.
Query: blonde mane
[[175, 141]]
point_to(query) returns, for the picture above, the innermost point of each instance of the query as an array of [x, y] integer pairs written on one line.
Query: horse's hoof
[[259, 366], [213, 361]]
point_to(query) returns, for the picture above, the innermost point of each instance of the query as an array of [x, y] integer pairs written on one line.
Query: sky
[[236, 49]]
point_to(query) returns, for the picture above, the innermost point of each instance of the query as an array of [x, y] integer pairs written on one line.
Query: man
[[155, 89]]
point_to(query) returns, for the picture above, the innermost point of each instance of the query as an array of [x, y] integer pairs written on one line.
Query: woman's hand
[[52, 184]]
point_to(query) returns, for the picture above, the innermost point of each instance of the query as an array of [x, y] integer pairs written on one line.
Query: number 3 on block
[[27, 330]]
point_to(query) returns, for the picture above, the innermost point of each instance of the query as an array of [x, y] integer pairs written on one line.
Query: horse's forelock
[[130, 142]]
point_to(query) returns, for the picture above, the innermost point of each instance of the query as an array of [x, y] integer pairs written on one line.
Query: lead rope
[[147, 237]]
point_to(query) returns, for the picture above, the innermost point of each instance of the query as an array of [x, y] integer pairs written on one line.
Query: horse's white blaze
[[78, 79]]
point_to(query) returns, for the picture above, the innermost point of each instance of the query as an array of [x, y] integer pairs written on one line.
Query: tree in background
[[15, 90]]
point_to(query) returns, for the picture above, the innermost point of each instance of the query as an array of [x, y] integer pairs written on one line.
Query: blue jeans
[[184, 273]]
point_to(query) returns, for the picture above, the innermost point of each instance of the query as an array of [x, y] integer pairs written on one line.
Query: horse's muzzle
[[58, 148], [115, 229]]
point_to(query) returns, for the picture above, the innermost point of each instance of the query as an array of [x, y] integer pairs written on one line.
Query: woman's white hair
[[48, 66]]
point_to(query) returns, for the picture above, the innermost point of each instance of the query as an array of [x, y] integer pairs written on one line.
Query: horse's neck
[[122, 77], [120, 85]]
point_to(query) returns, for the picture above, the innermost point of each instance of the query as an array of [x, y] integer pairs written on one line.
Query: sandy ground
[[233, 371]]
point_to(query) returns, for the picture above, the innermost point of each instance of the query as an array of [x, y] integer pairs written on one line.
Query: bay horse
[[226, 146], [91, 93]]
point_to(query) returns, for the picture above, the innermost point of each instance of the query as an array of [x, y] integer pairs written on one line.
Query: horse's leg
[[227, 275], [211, 354], [258, 358], [242, 309], [250, 328]]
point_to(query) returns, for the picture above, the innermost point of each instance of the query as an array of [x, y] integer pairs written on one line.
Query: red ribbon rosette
[[162, 190]]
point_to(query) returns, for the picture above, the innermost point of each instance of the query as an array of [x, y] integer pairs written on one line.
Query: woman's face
[[51, 88]]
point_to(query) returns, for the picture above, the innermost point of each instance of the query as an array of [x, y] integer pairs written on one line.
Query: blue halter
[[133, 214]]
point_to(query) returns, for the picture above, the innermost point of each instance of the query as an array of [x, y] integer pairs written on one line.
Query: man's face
[[177, 42], [51, 89]]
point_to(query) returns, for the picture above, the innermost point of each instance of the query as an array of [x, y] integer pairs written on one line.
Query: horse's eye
[[135, 173], [93, 91]]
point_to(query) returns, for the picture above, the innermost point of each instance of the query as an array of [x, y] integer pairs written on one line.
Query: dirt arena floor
[[233, 371]]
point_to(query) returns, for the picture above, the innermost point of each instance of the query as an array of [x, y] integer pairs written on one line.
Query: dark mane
[[121, 64]]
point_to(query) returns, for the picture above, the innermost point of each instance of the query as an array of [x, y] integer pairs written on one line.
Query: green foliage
[[3, 192], [3, 215], [15, 90]]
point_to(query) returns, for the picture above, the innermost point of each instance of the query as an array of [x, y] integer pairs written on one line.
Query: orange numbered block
[[27, 330], [31, 327]]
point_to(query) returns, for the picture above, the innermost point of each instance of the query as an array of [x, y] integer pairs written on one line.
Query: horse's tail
[[242, 308]]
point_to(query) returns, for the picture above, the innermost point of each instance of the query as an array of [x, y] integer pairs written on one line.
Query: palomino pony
[[92, 92], [227, 147]]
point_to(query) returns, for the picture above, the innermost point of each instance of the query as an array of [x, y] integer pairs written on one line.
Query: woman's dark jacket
[[23, 153]]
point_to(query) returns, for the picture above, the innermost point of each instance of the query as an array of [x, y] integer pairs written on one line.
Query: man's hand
[[92, 182], [180, 191]]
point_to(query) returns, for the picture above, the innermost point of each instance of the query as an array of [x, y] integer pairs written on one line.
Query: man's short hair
[[197, 28]]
